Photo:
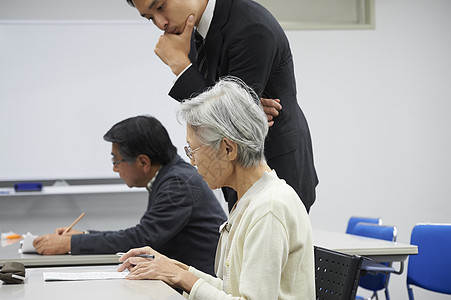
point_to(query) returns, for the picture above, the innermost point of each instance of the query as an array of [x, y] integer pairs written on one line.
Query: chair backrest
[[431, 267], [336, 274], [375, 282], [382, 232], [354, 220]]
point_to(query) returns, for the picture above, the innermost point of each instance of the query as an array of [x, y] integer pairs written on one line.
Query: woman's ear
[[229, 148]]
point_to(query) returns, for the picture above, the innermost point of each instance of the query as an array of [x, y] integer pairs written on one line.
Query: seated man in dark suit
[[183, 215]]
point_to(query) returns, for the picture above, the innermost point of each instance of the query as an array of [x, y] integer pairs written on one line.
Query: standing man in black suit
[[239, 38]]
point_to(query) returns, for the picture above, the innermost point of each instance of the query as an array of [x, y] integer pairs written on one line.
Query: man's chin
[[173, 31]]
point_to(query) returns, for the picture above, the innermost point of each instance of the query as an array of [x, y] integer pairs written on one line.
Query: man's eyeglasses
[[190, 153], [116, 162]]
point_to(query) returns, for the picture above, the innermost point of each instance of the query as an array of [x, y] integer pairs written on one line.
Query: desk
[[378, 250], [36, 288], [10, 253]]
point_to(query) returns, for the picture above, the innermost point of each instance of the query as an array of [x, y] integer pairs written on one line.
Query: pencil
[[73, 223]]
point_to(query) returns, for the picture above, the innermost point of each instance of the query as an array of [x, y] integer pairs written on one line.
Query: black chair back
[[336, 274]]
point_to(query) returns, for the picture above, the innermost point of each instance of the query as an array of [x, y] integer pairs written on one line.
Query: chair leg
[[410, 292], [387, 296], [374, 296]]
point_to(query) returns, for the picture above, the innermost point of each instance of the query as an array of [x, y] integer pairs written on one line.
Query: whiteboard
[[69, 70], [62, 87]]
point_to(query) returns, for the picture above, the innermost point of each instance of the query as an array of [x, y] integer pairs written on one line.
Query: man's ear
[[144, 162], [229, 148]]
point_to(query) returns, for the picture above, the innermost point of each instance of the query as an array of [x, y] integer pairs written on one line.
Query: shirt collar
[[205, 20], [151, 182]]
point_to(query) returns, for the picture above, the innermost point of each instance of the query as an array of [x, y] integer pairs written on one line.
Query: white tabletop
[[378, 250], [11, 253], [36, 288]]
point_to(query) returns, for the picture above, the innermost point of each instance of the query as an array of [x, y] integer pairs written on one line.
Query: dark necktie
[[201, 60]]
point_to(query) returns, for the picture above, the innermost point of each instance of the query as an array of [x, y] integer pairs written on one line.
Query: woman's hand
[[129, 259], [162, 268]]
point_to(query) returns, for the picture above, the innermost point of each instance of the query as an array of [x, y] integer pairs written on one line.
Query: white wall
[[378, 104]]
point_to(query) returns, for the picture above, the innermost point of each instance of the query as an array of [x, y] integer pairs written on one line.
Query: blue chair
[[431, 267], [379, 281], [354, 220]]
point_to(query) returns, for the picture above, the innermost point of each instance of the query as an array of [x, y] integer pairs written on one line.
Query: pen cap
[[12, 268]]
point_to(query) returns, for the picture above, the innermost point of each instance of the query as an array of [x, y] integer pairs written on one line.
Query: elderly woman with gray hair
[[265, 250]]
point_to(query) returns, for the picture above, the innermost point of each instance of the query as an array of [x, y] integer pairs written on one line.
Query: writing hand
[[162, 268], [51, 244], [173, 49], [60, 231], [129, 260], [271, 107]]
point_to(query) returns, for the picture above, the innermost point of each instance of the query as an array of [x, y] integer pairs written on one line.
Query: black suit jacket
[[181, 221], [246, 41]]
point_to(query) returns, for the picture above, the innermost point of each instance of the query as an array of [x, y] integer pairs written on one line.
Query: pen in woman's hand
[[149, 256]]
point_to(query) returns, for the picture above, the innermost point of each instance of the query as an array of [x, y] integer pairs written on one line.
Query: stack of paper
[[27, 243], [56, 276]]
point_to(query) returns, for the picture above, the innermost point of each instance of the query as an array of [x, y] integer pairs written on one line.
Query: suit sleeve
[[166, 216], [251, 55]]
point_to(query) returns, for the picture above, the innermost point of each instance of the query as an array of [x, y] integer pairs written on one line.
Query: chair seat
[[375, 267]]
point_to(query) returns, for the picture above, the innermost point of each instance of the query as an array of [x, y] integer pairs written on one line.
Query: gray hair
[[230, 109]]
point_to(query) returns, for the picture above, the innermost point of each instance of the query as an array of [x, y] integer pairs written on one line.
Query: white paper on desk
[[57, 276], [27, 244]]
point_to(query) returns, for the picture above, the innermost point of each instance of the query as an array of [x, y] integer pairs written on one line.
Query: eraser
[[28, 186]]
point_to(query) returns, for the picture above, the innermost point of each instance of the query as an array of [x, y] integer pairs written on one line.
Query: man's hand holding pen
[[57, 243], [61, 230], [52, 244]]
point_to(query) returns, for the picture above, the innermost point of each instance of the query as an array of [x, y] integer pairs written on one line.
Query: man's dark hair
[[142, 135], [130, 2]]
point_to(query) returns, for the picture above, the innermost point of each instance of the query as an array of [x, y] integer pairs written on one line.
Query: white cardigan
[[268, 253]]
